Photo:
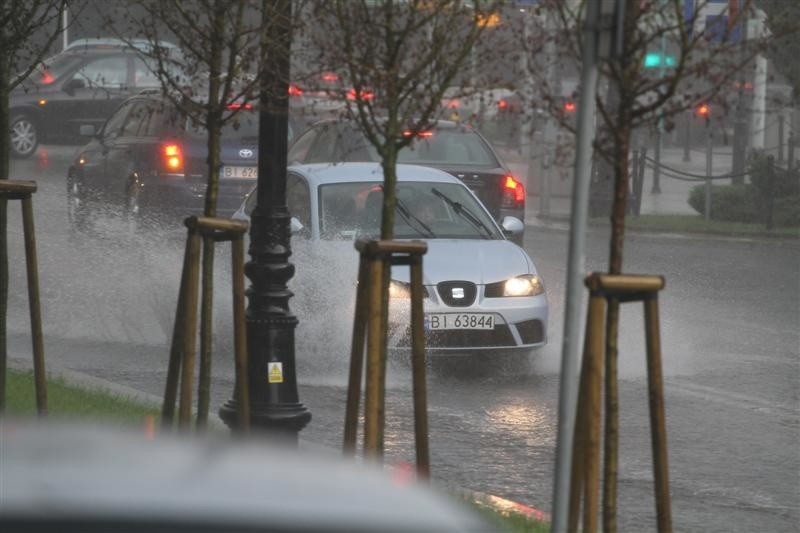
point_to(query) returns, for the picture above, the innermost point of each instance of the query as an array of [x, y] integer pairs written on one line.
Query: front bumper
[[520, 325]]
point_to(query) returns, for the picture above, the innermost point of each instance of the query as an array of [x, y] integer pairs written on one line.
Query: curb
[[561, 224], [505, 507]]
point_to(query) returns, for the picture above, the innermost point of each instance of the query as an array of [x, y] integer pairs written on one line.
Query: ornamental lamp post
[[274, 402]]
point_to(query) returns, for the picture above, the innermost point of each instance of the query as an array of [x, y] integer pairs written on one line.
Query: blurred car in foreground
[[483, 292], [150, 160], [82, 85], [91, 480], [457, 149]]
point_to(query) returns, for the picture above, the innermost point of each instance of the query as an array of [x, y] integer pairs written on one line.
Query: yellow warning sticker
[[275, 372]]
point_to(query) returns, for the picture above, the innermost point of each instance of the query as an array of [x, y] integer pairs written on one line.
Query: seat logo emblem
[[458, 293], [246, 153]]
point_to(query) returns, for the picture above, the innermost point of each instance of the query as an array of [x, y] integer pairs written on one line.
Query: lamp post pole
[[274, 401]]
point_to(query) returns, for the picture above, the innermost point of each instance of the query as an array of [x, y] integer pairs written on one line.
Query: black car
[[457, 149], [149, 158], [82, 85]]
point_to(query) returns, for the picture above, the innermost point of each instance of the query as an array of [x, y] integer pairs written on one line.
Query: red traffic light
[[703, 110], [569, 107]]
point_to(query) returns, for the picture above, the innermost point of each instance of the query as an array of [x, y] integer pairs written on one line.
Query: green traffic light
[[655, 59]]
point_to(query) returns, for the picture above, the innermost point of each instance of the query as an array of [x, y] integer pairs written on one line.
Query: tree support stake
[[23, 191]]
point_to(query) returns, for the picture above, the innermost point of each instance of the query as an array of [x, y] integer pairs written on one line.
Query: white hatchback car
[[483, 292]]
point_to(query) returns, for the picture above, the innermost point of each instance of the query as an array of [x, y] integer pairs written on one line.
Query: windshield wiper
[[465, 213], [407, 216]]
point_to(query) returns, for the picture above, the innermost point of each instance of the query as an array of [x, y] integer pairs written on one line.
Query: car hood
[[478, 261]]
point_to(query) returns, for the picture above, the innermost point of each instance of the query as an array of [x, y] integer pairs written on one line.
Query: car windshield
[[424, 210], [445, 147]]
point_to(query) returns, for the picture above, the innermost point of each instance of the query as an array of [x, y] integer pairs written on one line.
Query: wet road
[[730, 322]]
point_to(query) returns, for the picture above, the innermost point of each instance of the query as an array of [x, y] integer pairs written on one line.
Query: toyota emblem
[[246, 153]]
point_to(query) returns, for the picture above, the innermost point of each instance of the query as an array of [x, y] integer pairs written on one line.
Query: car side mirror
[[73, 85], [296, 226], [88, 130], [512, 226]]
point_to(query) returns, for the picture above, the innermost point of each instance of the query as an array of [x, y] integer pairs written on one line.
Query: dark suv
[[82, 85], [150, 159]]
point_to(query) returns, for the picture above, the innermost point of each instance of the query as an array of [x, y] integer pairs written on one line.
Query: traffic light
[[704, 111], [569, 107], [658, 59]]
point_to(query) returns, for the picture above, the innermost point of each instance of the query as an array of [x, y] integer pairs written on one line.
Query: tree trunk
[[618, 210], [213, 126]]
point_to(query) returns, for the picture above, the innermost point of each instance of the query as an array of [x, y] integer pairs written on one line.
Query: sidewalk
[[672, 200]]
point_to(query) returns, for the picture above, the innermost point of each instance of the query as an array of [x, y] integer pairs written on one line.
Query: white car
[[483, 292]]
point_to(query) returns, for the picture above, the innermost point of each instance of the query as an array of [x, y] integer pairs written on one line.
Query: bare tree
[[693, 66], [20, 24], [398, 59], [205, 62], [210, 78]]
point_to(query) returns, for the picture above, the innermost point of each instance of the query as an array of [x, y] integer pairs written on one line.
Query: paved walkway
[[672, 200]]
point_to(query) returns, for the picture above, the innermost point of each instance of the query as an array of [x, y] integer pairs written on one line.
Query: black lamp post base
[[281, 420]]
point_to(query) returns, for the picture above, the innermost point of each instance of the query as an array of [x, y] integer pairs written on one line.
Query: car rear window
[[243, 125], [445, 147]]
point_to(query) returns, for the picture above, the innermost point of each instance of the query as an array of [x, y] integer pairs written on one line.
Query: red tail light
[[173, 157], [237, 106], [352, 94], [47, 78], [502, 104], [425, 134], [513, 190], [294, 90]]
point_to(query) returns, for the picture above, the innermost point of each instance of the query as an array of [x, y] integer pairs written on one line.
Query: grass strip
[[69, 401], [697, 224]]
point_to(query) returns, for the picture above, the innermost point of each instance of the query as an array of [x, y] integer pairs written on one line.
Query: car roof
[[61, 474], [327, 173], [438, 124], [114, 44]]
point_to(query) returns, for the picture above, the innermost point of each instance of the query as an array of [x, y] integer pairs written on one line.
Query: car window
[[299, 150], [437, 147], [242, 126], [164, 119], [324, 148], [143, 75], [136, 120], [111, 72], [113, 126], [53, 68], [448, 147]]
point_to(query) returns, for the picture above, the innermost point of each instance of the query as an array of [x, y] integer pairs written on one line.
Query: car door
[[93, 92], [123, 151], [94, 170]]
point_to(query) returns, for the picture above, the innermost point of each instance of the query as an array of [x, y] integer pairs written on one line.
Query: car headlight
[[525, 285], [401, 289]]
